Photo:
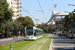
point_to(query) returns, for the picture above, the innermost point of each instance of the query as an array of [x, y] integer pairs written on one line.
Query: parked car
[[54, 33], [74, 35], [71, 36], [59, 34]]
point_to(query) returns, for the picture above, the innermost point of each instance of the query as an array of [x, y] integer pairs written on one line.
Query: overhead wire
[[41, 8], [31, 15]]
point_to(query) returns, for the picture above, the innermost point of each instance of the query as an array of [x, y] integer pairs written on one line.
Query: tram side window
[[35, 33], [39, 33]]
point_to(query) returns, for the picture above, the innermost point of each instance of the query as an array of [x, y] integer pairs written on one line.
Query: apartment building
[[15, 5]]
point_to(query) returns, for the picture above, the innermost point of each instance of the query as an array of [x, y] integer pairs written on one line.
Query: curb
[[5, 39], [50, 48]]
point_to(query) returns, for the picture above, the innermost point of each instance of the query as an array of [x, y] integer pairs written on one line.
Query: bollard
[[11, 47]]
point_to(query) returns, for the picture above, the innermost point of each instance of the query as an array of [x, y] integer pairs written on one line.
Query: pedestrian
[[2, 36]]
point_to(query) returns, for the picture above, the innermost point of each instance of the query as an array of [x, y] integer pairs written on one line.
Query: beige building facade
[[15, 6]]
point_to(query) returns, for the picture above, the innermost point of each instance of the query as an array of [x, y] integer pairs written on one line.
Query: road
[[63, 43], [12, 41]]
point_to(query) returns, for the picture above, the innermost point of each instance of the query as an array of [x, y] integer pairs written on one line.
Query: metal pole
[[17, 34], [61, 24], [11, 47], [7, 31]]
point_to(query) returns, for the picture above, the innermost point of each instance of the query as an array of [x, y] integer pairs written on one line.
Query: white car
[[70, 36], [74, 35]]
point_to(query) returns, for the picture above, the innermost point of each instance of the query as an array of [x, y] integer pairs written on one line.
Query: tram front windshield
[[29, 31]]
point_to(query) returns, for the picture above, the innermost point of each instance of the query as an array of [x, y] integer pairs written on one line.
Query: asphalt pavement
[[12, 40], [63, 43]]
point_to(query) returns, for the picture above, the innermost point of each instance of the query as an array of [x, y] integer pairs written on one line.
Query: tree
[[69, 19], [40, 26], [5, 14], [14, 27], [66, 23], [25, 21], [52, 28], [59, 27], [45, 29]]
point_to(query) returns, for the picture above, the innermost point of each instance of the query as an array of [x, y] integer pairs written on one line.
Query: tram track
[[34, 45], [44, 44], [38, 45]]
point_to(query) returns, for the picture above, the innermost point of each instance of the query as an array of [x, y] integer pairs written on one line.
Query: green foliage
[[45, 29], [59, 27], [14, 26], [24, 45], [52, 28], [25, 21], [42, 26], [5, 14], [69, 19]]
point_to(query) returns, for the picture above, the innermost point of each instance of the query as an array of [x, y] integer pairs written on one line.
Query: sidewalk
[[11, 40], [5, 39]]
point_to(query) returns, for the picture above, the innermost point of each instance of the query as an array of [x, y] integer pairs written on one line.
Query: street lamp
[[7, 28]]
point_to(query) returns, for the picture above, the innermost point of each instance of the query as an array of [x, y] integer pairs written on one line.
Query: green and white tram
[[33, 33]]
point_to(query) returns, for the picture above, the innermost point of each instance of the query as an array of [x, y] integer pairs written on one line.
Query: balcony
[[18, 3], [19, 6], [20, 10], [14, 2], [18, 14]]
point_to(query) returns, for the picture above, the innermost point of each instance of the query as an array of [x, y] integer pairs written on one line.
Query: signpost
[[72, 27], [11, 47]]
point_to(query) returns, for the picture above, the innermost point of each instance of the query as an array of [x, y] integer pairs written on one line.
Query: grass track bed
[[46, 47], [24, 45]]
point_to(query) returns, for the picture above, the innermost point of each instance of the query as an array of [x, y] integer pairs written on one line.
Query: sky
[[32, 6]]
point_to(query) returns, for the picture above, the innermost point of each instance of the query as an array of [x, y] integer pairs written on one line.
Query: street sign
[[72, 25]]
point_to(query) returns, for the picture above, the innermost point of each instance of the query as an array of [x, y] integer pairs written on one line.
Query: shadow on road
[[60, 37], [66, 42], [63, 39]]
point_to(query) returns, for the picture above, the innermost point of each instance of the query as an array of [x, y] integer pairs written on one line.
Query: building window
[[17, 11], [17, 15], [17, 4], [17, 7], [17, 0]]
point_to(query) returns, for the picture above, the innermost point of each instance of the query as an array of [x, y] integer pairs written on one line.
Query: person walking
[[2, 36]]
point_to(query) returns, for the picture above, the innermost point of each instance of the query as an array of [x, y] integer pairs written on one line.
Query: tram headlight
[[31, 36]]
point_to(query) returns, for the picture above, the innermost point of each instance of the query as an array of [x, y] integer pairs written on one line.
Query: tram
[[33, 33]]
